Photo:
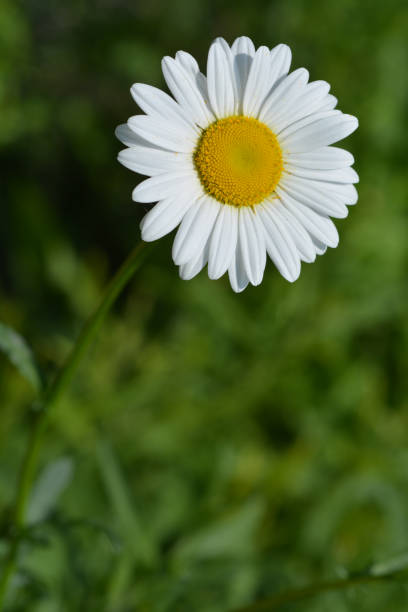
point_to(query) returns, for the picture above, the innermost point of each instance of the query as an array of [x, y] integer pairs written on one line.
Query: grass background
[[214, 448]]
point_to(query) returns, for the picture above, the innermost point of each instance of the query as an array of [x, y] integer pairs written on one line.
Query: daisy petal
[[306, 102], [252, 244], [281, 57], [279, 244], [299, 235], [189, 64], [190, 269], [149, 161], [347, 193], [319, 226], [186, 91], [258, 83], [230, 62], [243, 51], [236, 272], [318, 133], [306, 121], [284, 91], [166, 215], [129, 138], [223, 241], [243, 45], [320, 247], [164, 186], [328, 103], [193, 267], [325, 158], [220, 81], [312, 195], [194, 230], [187, 61], [156, 102], [341, 175], [163, 133]]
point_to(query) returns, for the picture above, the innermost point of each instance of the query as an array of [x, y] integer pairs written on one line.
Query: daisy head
[[240, 160]]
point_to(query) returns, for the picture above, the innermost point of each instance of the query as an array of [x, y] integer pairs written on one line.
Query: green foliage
[[46, 491], [226, 448], [20, 355]]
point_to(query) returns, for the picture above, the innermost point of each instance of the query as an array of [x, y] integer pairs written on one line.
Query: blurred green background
[[214, 448]]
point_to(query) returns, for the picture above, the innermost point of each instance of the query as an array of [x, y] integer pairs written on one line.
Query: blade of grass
[[371, 576], [134, 536]]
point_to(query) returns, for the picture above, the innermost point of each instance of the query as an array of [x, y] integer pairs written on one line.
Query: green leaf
[[398, 563], [52, 481], [20, 355], [136, 536], [232, 536]]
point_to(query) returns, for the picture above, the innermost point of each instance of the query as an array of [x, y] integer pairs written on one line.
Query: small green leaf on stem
[[51, 483], [20, 355]]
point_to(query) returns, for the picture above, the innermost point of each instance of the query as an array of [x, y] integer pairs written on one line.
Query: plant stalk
[[295, 595], [51, 396]]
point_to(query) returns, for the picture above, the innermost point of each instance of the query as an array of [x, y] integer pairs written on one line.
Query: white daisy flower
[[241, 161]]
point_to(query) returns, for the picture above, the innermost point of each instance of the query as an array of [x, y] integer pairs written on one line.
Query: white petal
[[304, 102], [149, 161], [258, 83], [305, 122], [220, 81], [319, 226], [236, 272], [347, 193], [156, 102], [313, 195], [163, 133], [190, 269], [243, 45], [164, 186], [166, 215], [319, 246], [279, 244], [131, 139], [288, 87], [243, 51], [223, 242], [252, 244], [299, 235], [318, 132], [328, 103], [186, 91], [341, 175], [230, 63], [325, 158], [195, 230], [189, 64], [281, 57]]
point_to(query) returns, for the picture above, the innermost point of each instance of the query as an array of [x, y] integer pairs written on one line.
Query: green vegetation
[[213, 450]]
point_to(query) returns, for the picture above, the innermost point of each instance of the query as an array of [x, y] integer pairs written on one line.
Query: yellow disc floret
[[238, 160]]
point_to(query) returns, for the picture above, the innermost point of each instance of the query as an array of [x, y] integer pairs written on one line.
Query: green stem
[[51, 396], [292, 596]]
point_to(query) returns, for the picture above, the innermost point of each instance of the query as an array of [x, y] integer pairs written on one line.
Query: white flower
[[240, 161]]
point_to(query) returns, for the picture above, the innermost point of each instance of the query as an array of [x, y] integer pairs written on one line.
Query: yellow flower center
[[238, 160]]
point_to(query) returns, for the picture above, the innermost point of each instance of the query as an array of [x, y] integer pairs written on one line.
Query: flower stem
[[283, 599], [50, 397]]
